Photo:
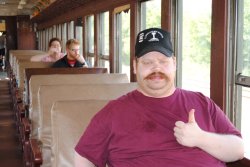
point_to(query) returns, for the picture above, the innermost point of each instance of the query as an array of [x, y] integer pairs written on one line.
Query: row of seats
[[48, 97]]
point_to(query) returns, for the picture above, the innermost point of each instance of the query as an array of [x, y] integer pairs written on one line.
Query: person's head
[[55, 44], [154, 63], [72, 48]]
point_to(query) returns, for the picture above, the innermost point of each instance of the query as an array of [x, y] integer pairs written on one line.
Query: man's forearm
[[226, 148]]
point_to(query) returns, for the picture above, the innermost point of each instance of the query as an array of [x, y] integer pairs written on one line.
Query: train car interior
[[45, 109]]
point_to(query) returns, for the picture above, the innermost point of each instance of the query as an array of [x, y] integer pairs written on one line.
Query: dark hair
[[54, 39]]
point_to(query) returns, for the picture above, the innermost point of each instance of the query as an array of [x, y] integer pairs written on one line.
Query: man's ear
[[175, 65], [134, 66]]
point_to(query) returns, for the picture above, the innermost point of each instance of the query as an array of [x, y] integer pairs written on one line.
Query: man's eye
[[147, 62], [163, 62]]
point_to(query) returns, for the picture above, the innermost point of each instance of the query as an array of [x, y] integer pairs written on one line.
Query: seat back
[[63, 79], [48, 71], [15, 55], [47, 95], [22, 65], [69, 120]]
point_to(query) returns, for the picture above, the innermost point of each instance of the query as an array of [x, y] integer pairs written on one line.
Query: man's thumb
[[191, 117]]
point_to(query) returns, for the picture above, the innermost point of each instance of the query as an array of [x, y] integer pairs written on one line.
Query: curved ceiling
[[22, 7]]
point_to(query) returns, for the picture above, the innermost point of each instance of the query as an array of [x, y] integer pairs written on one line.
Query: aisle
[[10, 154]]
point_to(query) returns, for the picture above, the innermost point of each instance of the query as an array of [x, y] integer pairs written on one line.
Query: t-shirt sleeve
[[221, 122], [94, 142]]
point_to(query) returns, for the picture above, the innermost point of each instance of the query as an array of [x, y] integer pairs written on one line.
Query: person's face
[[73, 51], [155, 74], [55, 45]]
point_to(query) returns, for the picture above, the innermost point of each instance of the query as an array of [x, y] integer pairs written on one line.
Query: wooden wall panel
[[219, 53], [26, 36]]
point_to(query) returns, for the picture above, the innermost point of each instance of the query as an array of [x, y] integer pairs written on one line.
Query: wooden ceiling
[[17, 7], [58, 8]]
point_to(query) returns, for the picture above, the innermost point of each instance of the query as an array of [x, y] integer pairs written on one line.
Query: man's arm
[[81, 60], [224, 147], [82, 162]]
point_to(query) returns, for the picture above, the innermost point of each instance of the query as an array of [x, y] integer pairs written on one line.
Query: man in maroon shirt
[[159, 125]]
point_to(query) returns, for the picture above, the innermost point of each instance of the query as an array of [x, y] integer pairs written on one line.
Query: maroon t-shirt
[[137, 131]]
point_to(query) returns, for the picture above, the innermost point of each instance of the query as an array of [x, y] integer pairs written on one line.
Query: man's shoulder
[[125, 100], [59, 63]]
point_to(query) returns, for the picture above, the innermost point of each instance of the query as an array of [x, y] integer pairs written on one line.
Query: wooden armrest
[[26, 127], [18, 97], [36, 153], [21, 111]]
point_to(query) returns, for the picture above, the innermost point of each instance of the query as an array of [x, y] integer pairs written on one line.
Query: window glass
[[196, 45], [48, 37], [71, 30], [58, 32], [104, 40], [64, 36], [245, 115], [243, 66], [123, 42], [150, 14], [90, 40], [246, 39], [79, 31], [54, 31]]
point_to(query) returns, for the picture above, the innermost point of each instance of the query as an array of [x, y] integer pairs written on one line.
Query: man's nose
[[156, 66]]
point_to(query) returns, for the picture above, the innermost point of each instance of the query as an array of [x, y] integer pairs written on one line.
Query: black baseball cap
[[153, 39]]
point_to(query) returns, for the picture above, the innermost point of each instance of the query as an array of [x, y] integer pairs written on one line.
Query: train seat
[[63, 79], [48, 71], [49, 94], [22, 65], [22, 54], [16, 55], [67, 127]]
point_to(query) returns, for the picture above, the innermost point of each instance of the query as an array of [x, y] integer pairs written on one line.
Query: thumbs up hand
[[188, 134]]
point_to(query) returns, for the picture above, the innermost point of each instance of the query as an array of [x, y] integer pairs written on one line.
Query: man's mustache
[[154, 74]]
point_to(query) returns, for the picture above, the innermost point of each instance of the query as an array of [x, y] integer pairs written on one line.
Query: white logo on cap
[[141, 37], [153, 33]]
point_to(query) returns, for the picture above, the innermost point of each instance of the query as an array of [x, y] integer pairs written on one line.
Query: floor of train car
[[10, 152]]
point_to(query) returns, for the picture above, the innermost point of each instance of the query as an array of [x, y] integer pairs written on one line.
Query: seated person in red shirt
[[158, 125], [72, 58]]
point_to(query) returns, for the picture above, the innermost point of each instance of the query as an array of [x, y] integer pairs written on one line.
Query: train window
[[196, 43], [54, 31], [64, 36], [122, 49], [90, 40], [48, 37], [242, 95], [78, 34], [104, 40], [71, 30], [150, 14], [58, 32]]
